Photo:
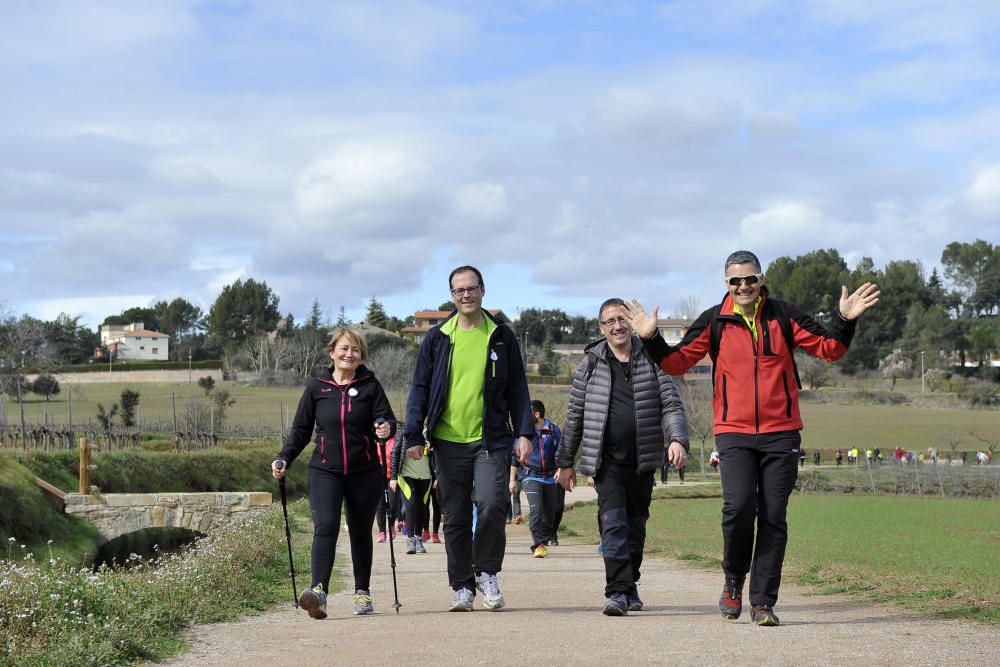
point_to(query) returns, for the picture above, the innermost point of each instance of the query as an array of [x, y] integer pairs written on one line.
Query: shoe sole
[[730, 616], [499, 604], [310, 602], [614, 611], [632, 607], [767, 622], [461, 607], [365, 612]]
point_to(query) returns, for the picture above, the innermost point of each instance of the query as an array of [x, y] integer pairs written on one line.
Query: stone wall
[[116, 514]]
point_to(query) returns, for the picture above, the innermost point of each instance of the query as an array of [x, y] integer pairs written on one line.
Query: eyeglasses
[[462, 291], [620, 321], [752, 279]]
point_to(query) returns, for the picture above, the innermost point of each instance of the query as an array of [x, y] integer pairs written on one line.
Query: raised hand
[[852, 307], [643, 323]]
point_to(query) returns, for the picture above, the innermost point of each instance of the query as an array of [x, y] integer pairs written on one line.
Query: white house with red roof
[[133, 342]]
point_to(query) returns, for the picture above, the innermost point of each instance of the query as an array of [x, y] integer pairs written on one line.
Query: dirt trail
[[553, 617]]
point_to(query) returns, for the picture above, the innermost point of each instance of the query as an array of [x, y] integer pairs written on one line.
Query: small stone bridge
[[116, 514]]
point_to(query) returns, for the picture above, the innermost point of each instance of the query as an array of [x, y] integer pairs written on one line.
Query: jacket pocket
[[788, 395], [725, 399]]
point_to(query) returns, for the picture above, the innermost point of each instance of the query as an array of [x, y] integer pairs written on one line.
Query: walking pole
[[280, 465], [388, 515]]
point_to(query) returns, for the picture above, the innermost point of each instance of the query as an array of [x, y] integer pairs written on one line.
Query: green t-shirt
[[462, 419]]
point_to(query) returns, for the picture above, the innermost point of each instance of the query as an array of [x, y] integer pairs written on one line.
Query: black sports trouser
[[327, 492], [623, 498], [758, 475], [416, 505], [464, 470], [542, 502]]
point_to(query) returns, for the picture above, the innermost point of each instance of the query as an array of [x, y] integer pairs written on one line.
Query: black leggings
[[360, 492], [435, 509], [416, 506], [394, 508]]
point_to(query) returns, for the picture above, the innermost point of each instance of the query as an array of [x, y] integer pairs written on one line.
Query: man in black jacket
[[469, 389], [620, 408]]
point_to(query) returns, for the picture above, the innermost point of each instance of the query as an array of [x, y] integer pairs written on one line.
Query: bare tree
[[393, 366], [697, 395], [688, 308]]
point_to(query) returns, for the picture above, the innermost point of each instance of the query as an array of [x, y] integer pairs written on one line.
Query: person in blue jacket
[[539, 480]]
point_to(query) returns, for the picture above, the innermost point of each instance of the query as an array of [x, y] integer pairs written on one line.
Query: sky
[[573, 151]]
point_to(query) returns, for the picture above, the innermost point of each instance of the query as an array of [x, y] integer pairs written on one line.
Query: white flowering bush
[[55, 613]]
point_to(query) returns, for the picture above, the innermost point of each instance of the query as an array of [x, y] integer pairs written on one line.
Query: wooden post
[[84, 467]]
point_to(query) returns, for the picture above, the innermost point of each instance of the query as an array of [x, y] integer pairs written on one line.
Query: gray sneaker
[[420, 545], [313, 600], [463, 600], [490, 588], [411, 545], [634, 602], [363, 603], [617, 605]]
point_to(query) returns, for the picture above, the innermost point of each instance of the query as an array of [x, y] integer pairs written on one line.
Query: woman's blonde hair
[[353, 336]]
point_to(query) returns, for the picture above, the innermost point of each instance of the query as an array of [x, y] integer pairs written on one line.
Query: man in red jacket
[[757, 421]]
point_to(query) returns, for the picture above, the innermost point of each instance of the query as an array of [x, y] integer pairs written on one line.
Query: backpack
[[715, 337]]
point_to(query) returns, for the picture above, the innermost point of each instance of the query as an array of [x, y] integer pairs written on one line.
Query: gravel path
[[553, 617]]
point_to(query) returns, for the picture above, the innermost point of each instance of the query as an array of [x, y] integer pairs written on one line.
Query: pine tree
[[376, 315], [342, 319]]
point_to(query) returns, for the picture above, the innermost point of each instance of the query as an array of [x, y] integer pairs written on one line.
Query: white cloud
[[982, 197]]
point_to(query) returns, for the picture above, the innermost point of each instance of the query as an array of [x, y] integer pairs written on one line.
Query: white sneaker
[[463, 600], [490, 588]]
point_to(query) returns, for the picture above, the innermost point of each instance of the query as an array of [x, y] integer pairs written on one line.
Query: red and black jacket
[[340, 420], [754, 382]]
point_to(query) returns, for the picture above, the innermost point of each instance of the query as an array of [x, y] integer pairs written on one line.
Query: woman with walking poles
[[338, 412]]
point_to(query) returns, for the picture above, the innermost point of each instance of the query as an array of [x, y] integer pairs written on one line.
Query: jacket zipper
[[322, 448]]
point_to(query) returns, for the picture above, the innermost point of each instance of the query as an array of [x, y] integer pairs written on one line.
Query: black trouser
[[416, 505], [464, 470], [623, 498], [514, 508], [435, 509], [327, 492], [394, 507], [560, 506], [542, 504], [758, 475]]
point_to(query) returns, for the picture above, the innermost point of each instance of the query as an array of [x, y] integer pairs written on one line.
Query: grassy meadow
[[828, 426], [928, 554]]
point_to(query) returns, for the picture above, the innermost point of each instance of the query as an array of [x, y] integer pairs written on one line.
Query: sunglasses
[[752, 279]]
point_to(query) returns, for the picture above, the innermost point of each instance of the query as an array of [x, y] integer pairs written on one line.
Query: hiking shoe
[[634, 602], [490, 588], [425, 536], [313, 600], [731, 601], [541, 551], [411, 545], [435, 539], [420, 545], [463, 600], [363, 603], [617, 605], [763, 614], [554, 542], [381, 536], [519, 520]]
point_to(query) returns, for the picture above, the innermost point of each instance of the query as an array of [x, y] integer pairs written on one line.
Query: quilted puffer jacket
[[659, 410]]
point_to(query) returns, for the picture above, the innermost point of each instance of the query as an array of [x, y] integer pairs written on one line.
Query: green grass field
[[933, 555]]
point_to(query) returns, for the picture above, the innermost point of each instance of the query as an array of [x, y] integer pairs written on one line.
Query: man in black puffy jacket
[[620, 407]]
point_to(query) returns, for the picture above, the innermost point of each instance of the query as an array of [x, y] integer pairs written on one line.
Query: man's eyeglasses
[[610, 323], [462, 291], [752, 279]]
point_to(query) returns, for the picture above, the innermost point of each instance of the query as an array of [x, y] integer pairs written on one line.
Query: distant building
[[133, 342], [424, 320]]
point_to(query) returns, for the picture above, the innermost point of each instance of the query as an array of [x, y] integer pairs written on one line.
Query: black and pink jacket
[[340, 420]]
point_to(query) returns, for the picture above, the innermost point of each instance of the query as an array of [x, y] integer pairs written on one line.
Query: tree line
[[949, 318]]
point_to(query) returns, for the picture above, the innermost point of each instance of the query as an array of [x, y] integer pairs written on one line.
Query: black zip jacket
[[340, 419], [506, 403]]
